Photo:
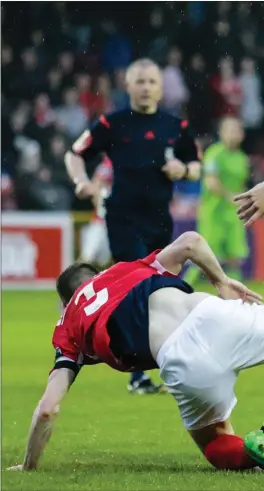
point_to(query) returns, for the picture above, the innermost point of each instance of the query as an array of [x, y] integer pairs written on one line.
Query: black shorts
[[131, 239], [128, 326]]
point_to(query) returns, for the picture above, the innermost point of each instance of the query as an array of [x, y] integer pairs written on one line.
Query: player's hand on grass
[[22, 467], [85, 189], [174, 169], [252, 204], [230, 289], [19, 467]]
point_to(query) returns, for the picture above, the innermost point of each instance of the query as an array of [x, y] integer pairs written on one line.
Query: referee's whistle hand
[[174, 169], [194, 169]]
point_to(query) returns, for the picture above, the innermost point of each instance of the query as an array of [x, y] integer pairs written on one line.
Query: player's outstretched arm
[[252, 204], [192, 246], [44, 417]]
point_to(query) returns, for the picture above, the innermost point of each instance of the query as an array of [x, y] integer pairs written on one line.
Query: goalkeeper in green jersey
[[225, 174]]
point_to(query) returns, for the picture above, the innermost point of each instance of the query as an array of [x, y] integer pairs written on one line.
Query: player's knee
[[190, 240]]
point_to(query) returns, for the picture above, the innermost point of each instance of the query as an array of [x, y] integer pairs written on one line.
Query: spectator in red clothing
[[226, 90], [94, 102]]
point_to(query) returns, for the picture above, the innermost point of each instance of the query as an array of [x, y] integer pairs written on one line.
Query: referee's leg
[[127, 245]]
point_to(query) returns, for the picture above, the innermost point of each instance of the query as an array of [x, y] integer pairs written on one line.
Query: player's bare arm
[[251, 204], [44, 417], [192, 246]]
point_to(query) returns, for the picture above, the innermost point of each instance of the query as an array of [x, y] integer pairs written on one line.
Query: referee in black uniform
[[149, 150]]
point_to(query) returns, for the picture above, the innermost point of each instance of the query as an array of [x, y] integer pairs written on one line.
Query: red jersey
[[81, 336]]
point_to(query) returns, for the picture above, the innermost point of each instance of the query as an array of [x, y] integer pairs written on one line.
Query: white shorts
[[200, 361], [94, 243]]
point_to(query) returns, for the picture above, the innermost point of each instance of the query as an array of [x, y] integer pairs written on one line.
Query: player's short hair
[[141, 63], [72, 278]]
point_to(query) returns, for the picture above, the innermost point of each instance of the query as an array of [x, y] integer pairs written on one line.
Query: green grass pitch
[[105, 438]]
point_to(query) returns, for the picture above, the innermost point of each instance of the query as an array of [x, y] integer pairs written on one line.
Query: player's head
[[231, 132], [72, 278], [144, 85]]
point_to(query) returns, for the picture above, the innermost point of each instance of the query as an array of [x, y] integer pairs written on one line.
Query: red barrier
[[258, 230]]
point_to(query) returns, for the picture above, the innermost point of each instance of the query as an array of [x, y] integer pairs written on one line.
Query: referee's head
[[144, 85]]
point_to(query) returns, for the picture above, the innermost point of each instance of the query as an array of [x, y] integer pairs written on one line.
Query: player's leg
[[248, 335], [222, 448], [223, 338], [236, 246], [205, 414]]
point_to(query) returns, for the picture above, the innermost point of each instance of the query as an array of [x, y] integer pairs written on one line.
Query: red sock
[[227, 452]]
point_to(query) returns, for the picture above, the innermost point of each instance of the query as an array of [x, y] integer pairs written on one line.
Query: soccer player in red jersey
[[141, 315]]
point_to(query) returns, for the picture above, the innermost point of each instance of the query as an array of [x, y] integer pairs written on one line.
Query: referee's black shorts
[[130, 239]]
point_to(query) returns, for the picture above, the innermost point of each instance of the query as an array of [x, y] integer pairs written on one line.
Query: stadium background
[[63, 64], [106, 439]]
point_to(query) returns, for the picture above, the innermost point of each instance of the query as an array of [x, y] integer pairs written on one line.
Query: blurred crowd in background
[[63, 64]]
